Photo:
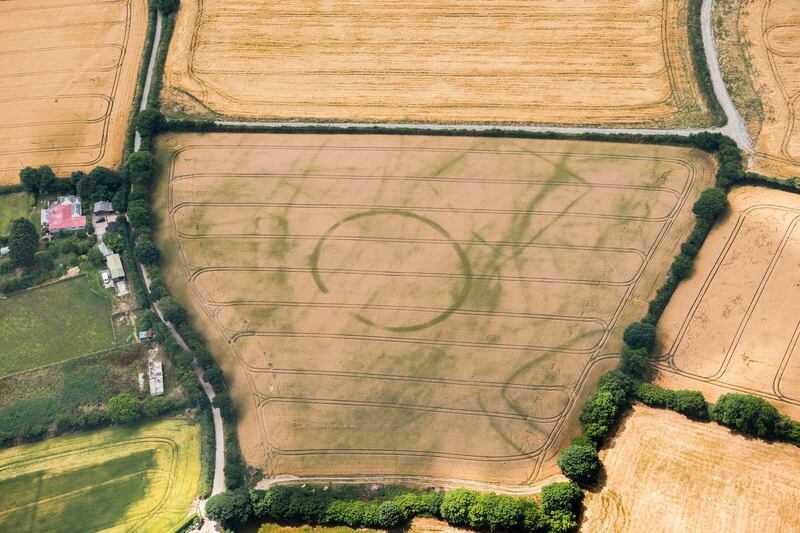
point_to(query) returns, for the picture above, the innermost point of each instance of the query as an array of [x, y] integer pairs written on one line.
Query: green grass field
[[13, 206], [52, 324], [141, 479]]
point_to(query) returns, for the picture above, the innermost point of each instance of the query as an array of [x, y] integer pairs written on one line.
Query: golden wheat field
[[68, 73], [410, 306], [609, 62], [734, 325], [666, 473], [761, 41]]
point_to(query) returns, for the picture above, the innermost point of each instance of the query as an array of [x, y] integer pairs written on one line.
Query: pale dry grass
[[608, 62], [666, 473], [734, 324], [416, 306], [767, 40], [68, 73]]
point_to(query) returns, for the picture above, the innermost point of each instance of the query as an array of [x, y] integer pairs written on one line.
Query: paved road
[[734, 128], [148, 80], [218, 484]]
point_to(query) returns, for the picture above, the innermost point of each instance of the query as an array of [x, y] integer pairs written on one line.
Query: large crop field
[[418, 306], [53, 323], [667, 473], [760, 49], [610, 62], [68, 71], [735, 324], [133, 479]]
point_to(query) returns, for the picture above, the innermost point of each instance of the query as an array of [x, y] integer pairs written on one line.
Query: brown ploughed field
[[734, 324], [68, 72], [416, 307], [609, 62], [667, 473], [759, 42]]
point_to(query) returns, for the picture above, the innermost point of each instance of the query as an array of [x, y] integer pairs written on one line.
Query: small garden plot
[[422, 306], [734, 324], [141, 478], [53, 323]]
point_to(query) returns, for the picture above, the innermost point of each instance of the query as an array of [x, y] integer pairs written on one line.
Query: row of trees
[[557, 510]]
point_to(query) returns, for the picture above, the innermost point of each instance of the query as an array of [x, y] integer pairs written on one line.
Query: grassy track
[[12, 206], [52, 324], [124, 479]]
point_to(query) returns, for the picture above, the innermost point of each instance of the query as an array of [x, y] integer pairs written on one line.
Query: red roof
[[60, 217]]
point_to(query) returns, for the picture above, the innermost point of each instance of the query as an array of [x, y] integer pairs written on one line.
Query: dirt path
[[734, 128]]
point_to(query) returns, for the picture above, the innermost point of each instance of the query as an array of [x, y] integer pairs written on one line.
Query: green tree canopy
[[230, 507], [711, 204], [640, 335], [124, 408], [746, 413], [580, 463], [23, 242]]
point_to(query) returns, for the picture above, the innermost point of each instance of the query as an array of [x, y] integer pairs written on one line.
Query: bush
[[682, 266], [149, 121], [561, 522], [223, 402], [566, 496], [495, 512], [349, 513], [420, 503], [691, 403], [172, 312], [214, 376], [95, 257], [601, 408], [746, 413], [655, 396], [272, 504], [640, 335], [455, 506], [532, 519], [635, 362], [23, 240], [230, 507], [620, 385], [115, 241], [711, 204], [690, 249], [147, 252], [124, 408], [139, 214], [390, 515], [580, 463], [167, 7]]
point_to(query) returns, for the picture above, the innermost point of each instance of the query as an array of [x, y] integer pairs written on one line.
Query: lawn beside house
[[53, 323], [13, 206]]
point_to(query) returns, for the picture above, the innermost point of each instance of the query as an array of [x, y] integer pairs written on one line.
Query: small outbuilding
[[145, 336], [114, 263], [103, 208], [5, 250]]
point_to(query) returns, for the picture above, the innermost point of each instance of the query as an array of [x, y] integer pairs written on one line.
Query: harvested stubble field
[[416, 306], [759, 42], [734, 324], [667, 473], [68, 73], [140, 479], [611, 62]]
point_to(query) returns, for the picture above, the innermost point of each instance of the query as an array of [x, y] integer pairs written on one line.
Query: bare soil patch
[[667, 473], [760, 49], [416, 306], [734, 324], [68, 73], [600, 63]]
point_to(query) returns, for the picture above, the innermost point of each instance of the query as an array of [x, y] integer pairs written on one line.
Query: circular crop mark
[[403, 244]]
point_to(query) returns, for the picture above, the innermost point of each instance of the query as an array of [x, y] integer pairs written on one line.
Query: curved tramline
[[388, 306]]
